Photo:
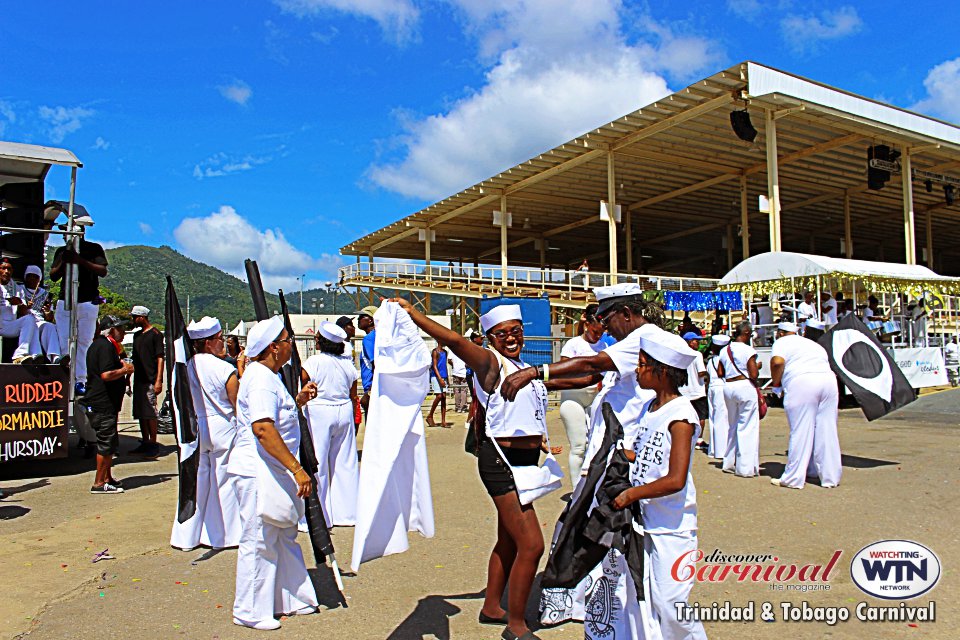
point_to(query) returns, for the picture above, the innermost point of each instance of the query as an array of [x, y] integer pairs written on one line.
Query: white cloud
[[552, 75], [224, 239], [236, 91], [806, 33], [7, 115], [221, 164], [145, 228], [100, 144], [62, 121], [745, 8], [111, 244], [943, 91], [397, 18]]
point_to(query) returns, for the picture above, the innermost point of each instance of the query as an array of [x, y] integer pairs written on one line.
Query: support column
[[543, 252], [370, 289], [847, 228], [744, 218], [909, 232], [426, 260], [629, 231], [503, 240], [929, 238], [612, 209], [773, 182], [729, 247]]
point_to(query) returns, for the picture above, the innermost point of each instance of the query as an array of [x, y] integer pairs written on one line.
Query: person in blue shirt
[[438, 386], [367, 352]]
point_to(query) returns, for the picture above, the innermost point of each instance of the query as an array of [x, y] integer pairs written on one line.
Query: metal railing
[[545, 280]]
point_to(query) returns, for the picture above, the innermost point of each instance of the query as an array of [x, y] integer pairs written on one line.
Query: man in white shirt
[[828, 306], [24, 327], [458, 377], [807, 309]]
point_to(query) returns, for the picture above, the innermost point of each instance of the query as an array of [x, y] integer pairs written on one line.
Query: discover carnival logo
[[895, 569]]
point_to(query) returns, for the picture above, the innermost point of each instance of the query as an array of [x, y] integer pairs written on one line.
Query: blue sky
[[282, 130]]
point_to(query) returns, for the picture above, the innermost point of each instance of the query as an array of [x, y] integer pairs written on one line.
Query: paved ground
[[901, 480]]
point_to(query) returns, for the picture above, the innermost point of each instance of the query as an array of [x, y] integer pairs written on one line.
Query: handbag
[[277, 500], [532, 481], [761, 400]]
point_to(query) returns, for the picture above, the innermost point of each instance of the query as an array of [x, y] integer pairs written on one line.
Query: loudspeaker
[[740, 121], [21, 206], [877, 178]]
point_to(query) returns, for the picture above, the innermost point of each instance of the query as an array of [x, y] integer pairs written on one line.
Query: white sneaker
[[262, 625], [305, 611]]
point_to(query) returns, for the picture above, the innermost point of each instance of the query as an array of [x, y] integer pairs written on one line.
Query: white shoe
[[776, 482], [305, 611], [262, 625]]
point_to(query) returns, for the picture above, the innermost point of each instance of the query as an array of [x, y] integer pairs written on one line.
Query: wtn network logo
[[895, 569]]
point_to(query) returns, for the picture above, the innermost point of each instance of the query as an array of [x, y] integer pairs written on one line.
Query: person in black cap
[[106, 383], [346, 323]]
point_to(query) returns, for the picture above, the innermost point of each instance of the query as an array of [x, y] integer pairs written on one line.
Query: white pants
[[743, 438], [25, 330], [338, 472], [661, 551], [86, 328], [810, 402], [49, 338], [612, 610], [575, 414], [272, 578], [216, 522], [719, 422]]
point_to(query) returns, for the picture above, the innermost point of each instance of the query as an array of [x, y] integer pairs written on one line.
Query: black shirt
[[103, 397], [147, 347], [89, 283]]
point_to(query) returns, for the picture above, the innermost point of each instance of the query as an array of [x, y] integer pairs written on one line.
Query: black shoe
[[106, 489], [485, 619], [510, 635], [141, 448], [151, 450], [116, 483]]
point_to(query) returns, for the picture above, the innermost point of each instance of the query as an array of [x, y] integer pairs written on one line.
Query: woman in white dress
[[330, 416], [213, 386], [575, 403], [272, 578]]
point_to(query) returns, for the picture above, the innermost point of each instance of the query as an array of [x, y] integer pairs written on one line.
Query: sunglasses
[[516, 332], [288, 340], [604, 319]]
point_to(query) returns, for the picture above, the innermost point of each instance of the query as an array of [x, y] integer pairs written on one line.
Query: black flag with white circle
[[866, 368]]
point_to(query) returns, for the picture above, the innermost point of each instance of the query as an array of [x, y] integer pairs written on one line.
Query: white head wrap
[[813, 323], [262, 334], [668, 348], [332, 332], [789, 327], [500, 314], [140, 310], [33, 270], [720, 340], [205, 327]]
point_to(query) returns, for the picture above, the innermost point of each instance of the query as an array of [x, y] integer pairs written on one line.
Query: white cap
[[262, 334], [500, 314], [720, 340], [140, 310], [813, 323], [668, 348], [469, 333], [205, 327], [609, 296], [332, 332], [789, 327], [34, 270]]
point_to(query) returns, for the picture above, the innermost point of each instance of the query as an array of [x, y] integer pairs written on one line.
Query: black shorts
[[494, 472], [701, 407], [105, 426]]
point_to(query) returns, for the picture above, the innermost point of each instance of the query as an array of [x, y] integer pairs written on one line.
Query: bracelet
[[297, 470], [546, 373]]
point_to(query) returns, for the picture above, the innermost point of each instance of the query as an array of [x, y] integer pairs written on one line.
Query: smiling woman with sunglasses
[[519, 428]]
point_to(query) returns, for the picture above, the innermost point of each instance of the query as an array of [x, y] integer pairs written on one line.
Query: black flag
[[316, 523], [179, 351], [866, 368]]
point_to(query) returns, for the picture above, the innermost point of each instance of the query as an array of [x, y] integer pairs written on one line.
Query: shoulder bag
[[761, 400]]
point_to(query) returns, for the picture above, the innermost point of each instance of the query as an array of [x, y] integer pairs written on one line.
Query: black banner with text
[[33, 412]]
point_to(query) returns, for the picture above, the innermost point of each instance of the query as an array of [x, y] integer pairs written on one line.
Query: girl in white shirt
[[740, 370]]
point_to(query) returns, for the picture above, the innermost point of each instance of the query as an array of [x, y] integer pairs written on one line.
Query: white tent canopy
[[783, 270]]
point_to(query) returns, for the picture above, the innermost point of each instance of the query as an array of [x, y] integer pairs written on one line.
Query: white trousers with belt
[[86, 327], [216, 522], [272, 578], [338, 472], [719, 422], [743, 438], [810, 401]]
